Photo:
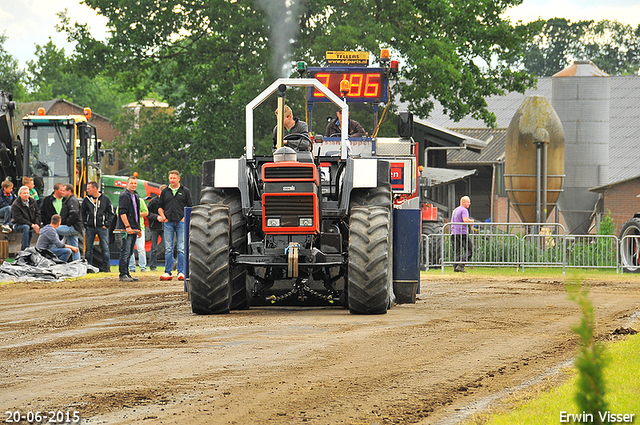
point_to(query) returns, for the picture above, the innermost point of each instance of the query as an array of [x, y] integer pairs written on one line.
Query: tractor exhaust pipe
[[280, 112]]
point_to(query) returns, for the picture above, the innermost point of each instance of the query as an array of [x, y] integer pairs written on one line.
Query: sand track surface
[[134, 353]]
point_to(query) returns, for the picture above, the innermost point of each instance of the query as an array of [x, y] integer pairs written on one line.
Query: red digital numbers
[[372, 86], [355, 84], [361, 84], [325, 79]]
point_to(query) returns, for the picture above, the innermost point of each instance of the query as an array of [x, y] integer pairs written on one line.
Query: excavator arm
[[10, 145]]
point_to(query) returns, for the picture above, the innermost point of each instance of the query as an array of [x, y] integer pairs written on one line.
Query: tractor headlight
[[273, 222], [306, 222]]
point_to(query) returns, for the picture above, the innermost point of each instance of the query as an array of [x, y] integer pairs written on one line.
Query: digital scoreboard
[[365, 84]]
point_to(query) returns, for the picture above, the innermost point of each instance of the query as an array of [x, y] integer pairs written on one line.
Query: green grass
[[622, 377], [536, 272]]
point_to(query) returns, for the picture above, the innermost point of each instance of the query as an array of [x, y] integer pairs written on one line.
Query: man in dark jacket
[[6, 200], [173, 199], [335, 127], [71, 226], [155, 229], [52, 204], [97, 214], [25, 216], [292, 125], [129, 224]]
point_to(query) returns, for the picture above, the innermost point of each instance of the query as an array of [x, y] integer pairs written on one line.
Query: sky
[[30, 22]]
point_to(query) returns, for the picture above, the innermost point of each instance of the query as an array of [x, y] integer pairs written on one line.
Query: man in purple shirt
[[462, 245]]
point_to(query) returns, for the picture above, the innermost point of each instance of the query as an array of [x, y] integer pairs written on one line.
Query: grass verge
[[536, 272], [622, 378]]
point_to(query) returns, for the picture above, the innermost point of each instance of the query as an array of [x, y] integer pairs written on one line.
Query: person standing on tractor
[[292, 125], [25, 216], [335, 127], [97, 213], [462, 245], [173, 200], [52, 204], [155, 228], [71, 226], [28, 181], [129, 223], [6, 200]]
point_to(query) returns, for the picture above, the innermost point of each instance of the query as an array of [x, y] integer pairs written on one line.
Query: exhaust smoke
[[282, 18]]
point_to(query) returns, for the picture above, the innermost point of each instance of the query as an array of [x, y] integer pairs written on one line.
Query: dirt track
[[135, 353]]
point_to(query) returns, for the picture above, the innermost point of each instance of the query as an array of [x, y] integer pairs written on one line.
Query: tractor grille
[[289, 173], [289, 208]]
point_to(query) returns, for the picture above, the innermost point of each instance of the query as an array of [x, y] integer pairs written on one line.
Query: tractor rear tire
[[97, 258], [209, 270], [630, 248], [369, 268], [241, 292]]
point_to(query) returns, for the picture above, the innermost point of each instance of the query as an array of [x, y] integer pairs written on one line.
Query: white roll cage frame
[[297, 82]]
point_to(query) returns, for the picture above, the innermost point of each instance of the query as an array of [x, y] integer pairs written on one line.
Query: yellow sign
[[347, 58]]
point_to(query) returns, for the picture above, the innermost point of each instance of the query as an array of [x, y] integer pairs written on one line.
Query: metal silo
[[581, 97], [534, 159]]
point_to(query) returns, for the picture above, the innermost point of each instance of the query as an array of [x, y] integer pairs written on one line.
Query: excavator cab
[[60, 149]]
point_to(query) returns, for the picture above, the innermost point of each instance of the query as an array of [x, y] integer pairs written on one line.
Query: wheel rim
[[630, 252]]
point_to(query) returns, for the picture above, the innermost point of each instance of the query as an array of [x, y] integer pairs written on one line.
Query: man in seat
[[293, 126]]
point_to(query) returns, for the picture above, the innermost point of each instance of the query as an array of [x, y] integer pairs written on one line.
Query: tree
[[211, 57], [53, 75], [612, 46], [556, 44], [147, 147], [48, 75], [10, 74], [451, 52]]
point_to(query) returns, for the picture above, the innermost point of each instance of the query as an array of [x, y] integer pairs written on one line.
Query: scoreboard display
[[365, 84]]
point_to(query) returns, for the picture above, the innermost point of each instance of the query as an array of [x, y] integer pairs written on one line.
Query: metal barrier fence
[[530, 245], [593, 251], [425, 259]]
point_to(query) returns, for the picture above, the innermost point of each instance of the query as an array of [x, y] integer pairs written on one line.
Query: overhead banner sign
[[347, 58]]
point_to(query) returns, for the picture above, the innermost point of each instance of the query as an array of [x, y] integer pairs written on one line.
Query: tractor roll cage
[[297, 82]]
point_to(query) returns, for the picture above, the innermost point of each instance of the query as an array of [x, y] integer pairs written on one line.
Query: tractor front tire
[[209, 271], [369, 268], [240, 289], [381, 196]]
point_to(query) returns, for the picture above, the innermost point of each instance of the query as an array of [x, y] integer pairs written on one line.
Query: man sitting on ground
[[50, 240]]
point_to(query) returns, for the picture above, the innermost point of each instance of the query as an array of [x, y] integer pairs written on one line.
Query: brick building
[[621, 198], [106, 132]]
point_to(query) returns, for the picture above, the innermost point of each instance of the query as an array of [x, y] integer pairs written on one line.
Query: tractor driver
[[293, 126]]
